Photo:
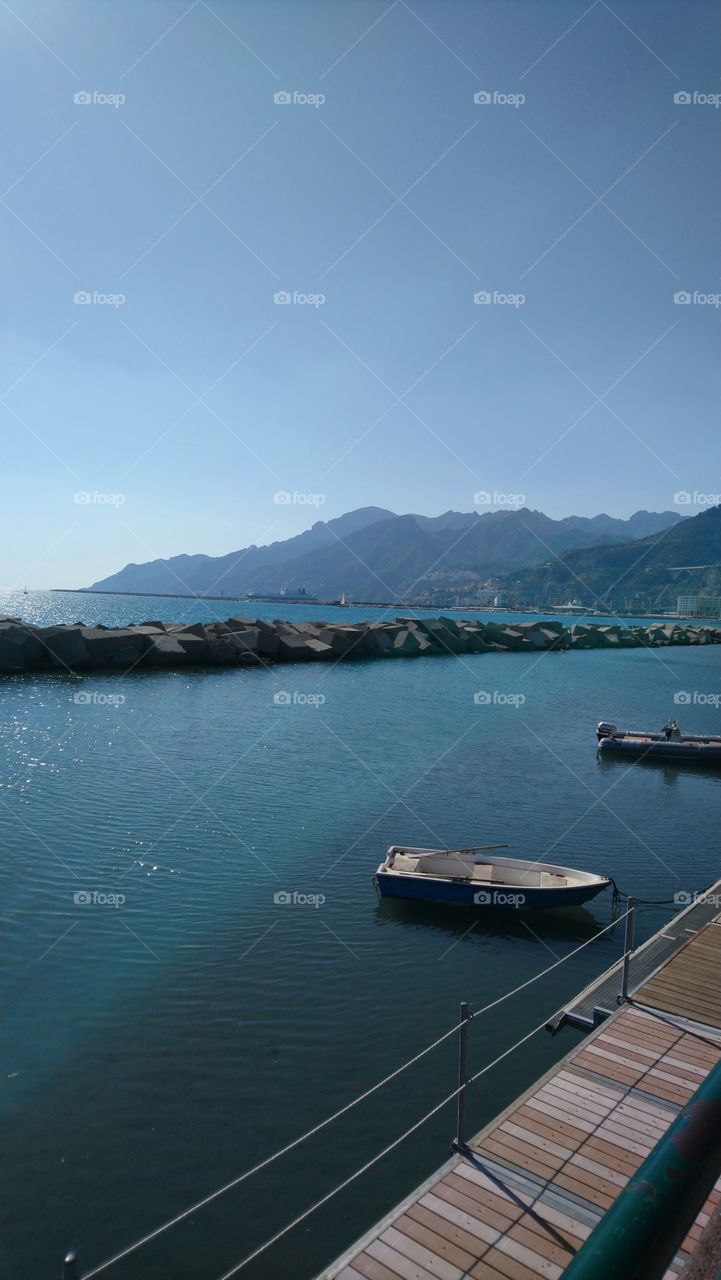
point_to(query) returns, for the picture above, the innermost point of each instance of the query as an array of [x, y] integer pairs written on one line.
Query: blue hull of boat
[[417, 889], [706, 753]]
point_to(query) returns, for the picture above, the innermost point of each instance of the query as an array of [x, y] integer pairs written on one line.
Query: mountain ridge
[[683, 559], [373, 553]]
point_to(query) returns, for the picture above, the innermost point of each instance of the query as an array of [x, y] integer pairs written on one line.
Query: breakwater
[[248, 642]]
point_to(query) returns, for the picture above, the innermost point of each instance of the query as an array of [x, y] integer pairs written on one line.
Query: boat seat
[[550, 881], [451, 867], [482, 871], [403, 862]]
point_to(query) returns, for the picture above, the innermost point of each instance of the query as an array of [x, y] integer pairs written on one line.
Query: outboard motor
[[604, 729]]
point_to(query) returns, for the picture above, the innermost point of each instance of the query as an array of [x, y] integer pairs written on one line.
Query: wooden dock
[[543, 1173], [598, 1000]]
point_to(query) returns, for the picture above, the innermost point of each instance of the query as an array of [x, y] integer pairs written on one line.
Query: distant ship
[[571, 606], [299, 596]]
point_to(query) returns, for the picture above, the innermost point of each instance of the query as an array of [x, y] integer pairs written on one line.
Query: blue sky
[[395, 200]]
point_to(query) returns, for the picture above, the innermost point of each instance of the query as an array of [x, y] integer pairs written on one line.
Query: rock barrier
[[253, 642]]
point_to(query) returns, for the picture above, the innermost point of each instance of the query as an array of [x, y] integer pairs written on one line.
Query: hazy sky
[[183, 409]]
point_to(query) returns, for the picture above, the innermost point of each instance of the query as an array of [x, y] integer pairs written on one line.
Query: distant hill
[[227, 575], [683, 559], [373, 554]]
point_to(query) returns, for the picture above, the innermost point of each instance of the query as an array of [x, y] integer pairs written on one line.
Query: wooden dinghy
[[669, 744], [470, 878]]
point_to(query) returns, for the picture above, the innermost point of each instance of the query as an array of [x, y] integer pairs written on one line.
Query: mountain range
[[375, 554], [683, 559]]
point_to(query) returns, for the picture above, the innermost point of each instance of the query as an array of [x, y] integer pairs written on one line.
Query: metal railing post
[[462, 1076], [69, 1269], [628, 941]]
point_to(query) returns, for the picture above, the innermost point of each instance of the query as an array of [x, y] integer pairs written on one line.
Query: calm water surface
[[154, 1049]]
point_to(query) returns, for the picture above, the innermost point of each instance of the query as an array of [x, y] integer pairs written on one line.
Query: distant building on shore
[[699, 606]]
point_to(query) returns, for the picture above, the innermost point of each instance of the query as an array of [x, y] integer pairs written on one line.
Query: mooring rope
[[268, 1160], [379, 1156]]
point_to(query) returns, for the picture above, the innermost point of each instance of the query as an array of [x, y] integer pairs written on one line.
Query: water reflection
[[561, 924], [670, 770]]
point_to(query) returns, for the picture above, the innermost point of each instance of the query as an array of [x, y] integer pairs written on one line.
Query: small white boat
[[669, 744], [470, 878]]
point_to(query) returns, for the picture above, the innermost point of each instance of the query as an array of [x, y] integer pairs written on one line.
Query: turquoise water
[[155, 1048]]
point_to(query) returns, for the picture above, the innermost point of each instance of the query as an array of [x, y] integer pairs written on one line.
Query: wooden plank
[[496, 1212], [613, 1093], [445, 1229], [485, 1271], [417, 1262], [461, 1210], [531, 1123], [423, 1232], [508, 1147], [534, 1261], [615, 1157], [371, 1269], [521, 1159], [553, 1120], [584, 1192], [567, 1147], [676, 985], [567, 1224]]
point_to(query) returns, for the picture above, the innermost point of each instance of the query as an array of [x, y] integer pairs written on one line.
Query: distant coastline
[[388, 604]]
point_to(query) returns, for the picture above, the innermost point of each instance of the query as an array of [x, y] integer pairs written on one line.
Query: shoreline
[[390, 604]]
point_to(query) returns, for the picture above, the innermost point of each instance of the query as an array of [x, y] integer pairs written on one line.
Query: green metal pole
[[641, 1232]]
